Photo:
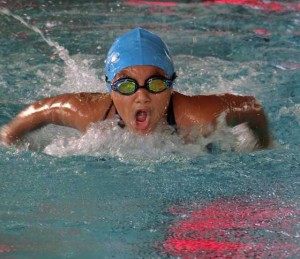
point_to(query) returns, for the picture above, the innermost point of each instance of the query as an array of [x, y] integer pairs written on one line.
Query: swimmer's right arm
[[73, 110]]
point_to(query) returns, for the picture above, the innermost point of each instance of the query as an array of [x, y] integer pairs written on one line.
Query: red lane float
[[271, 6], [156, 3], [235, 229]]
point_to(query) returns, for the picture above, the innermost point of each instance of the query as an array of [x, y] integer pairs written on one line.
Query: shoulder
[[197, 101], [205, 109], [89, 105], [83, 101], [75, 109], [82, 98], [216, 99], [197, 109]]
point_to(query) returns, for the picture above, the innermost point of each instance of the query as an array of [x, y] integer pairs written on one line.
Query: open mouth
[[142, 119]]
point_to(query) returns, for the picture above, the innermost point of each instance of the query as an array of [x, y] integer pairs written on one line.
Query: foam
[[108, 139]]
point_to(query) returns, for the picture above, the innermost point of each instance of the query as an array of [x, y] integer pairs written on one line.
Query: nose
[[142, 96]]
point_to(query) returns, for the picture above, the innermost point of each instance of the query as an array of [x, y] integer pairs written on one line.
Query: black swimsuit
[[170, 114]]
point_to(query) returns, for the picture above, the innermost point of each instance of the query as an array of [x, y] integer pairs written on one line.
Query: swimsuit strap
[[107, 110], [170, 115], [120, 121]]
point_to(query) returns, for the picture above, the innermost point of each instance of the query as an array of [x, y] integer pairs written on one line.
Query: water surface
[[111, 194]]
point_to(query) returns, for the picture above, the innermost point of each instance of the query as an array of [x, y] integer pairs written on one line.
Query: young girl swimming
[[139, 77]]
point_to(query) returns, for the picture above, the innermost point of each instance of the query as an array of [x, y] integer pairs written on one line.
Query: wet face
[[141, 111]]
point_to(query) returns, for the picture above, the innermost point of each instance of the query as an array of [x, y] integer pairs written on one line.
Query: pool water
[[111, 194]]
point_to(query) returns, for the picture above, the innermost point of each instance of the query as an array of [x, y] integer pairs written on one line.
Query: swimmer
[[139, 78]]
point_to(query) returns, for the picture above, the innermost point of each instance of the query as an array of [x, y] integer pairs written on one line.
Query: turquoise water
[[110, 194]]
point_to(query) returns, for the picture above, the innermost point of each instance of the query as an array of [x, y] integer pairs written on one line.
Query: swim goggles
[[155, 84]]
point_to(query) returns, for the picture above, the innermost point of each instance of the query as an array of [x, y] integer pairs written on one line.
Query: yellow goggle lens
[[157, 85], [126, 87]]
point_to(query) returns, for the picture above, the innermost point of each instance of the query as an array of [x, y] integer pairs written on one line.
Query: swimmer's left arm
[[246, 109], [203, 111]]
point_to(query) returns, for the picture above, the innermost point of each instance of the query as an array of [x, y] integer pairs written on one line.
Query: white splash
[[108, 139], [61, 51], [78, 73]]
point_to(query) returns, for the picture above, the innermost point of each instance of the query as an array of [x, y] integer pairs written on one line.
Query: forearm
[[60, 110], [26, 121], [18, 127]]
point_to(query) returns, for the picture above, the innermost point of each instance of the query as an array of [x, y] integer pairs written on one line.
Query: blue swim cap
[[137, 47]]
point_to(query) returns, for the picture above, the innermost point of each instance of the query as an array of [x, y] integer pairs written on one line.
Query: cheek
[[162, 103], [122, 104]]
